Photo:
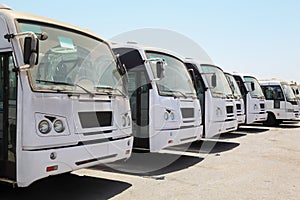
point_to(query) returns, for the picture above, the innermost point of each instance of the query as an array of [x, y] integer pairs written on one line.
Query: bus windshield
[[257, 92], [176, 81], [220, 89], [70, 61], [288, 91]]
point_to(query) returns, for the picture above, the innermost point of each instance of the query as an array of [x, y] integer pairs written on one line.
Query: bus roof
[[12, 15], [141, 47], [273, 82]]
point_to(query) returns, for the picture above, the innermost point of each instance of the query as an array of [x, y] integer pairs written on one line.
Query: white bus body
[[55, 114], [296, 91], [215, 96], [281, 103], [165, 110], [253, 97], [238, 97]]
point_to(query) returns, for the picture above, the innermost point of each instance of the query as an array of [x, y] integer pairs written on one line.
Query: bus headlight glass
[[172, 116], [59, 126], [124, 121], [44, 127], [128, 120], [166, 115]]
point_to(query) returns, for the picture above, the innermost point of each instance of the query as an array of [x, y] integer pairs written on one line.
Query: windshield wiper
[[176, 91], [221, 94], [230, 96], [106, 87], [69, 84]]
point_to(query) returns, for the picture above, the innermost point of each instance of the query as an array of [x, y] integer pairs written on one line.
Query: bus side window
[[269, 93], [279, 94]]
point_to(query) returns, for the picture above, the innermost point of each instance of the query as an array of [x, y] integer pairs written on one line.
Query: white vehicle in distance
[[238, 97], [281, 103], [164, 104], [296, 90], [253, 96], [215, 96], [63, 104]]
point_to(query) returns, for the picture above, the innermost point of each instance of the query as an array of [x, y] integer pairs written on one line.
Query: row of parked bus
[[69, 99]]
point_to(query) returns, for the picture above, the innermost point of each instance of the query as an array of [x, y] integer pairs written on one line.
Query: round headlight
[[58, 126], [172, 116], [44, 127], [124, 121], [166, 115], [128, 120]]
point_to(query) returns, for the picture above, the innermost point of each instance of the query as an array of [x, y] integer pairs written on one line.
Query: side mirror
[[121, 67], [160, 69], [31, 51], [193, 76], [252, 86], [232, 86], [214, 80]]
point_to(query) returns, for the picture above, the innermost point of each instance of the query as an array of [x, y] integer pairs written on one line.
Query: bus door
[[200, 89], [138, 90], [8, 96]]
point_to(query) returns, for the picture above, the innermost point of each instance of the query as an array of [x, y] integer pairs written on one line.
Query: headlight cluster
[[126, 120], [218, 111], [169, 115], [45, 126]]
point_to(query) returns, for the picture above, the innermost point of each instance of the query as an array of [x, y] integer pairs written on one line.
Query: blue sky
[[258, 37]]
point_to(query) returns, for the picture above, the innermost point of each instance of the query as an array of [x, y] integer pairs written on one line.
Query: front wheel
[[271, 120]]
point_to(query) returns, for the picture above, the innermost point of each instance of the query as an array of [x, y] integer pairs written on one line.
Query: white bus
[[296, 89], [238, 97], [164, 105], [215, 96], [281, 103], [63, 104], [253, 97]]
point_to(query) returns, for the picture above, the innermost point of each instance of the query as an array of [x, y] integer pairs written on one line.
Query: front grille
[[229, 109], [187, 112], [95, 119]]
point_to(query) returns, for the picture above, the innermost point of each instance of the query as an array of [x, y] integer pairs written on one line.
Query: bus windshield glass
[[216, 81], [72, 62], [257, 92], [176, 80]]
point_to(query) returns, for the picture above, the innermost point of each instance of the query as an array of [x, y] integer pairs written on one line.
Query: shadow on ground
[[289, 124], [253, 129], [207, 147], [283, 125], [230, 135], [66, 186], [151, 164]]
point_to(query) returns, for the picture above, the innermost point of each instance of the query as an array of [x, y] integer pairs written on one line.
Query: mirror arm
[[22, 34]]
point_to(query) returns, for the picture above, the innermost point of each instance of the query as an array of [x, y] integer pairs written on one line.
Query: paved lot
[[255, 162]]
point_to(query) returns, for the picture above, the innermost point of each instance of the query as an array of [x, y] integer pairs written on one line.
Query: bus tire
[[271, 120]]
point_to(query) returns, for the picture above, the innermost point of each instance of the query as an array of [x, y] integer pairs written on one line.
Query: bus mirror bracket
[[30, 48]]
